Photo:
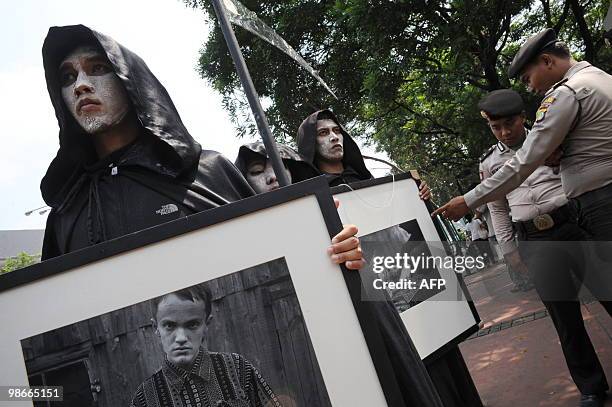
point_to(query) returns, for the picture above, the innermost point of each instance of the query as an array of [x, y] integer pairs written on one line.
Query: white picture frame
[[298, 222], [445, 319]]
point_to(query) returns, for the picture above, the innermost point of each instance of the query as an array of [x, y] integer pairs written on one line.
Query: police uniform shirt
[[575, 114], [540, 193]]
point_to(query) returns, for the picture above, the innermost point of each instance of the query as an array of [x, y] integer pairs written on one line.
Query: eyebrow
[[256, 162], [90, 59]]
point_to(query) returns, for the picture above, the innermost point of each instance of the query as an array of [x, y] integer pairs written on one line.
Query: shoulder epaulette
[[579, 100], [487, 153], [560, 83]]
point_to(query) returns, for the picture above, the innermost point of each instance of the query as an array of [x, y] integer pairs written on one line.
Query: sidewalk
[[516, 359]]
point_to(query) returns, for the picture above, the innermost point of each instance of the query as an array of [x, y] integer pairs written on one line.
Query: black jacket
[[300, 170], [354, 166], [163, 175]]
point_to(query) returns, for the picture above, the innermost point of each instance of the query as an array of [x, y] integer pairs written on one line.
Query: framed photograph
[[243, 295], [403, 246]]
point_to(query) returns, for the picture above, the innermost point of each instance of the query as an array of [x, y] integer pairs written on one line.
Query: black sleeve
[[410, 372], [222, 177], [50, 247]]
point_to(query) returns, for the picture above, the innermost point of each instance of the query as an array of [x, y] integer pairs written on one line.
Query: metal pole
[[251, 93]]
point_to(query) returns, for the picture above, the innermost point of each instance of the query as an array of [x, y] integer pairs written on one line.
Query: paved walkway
[[516, 359]]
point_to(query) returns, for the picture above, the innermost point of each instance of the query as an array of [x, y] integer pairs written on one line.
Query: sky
[[165, 33]]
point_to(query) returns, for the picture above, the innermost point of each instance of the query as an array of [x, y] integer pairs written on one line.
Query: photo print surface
[[398, 255], [238, 340]]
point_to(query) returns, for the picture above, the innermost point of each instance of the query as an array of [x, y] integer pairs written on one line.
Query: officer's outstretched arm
[[554, 121]]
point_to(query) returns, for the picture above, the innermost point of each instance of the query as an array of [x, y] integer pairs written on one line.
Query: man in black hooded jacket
[[126, 161], [323, 142]]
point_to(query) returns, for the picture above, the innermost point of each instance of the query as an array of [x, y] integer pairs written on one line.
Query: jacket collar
[[177, 377], [579, 66]]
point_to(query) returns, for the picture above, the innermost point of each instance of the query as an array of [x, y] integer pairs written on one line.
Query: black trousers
[[552, 256], [594, 215]]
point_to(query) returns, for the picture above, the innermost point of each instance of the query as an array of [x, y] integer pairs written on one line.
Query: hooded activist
[[126, 162], [255, 165], [120, 131], [324, 142]]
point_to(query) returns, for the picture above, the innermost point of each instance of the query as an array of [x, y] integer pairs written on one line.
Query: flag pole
[[251, 93]]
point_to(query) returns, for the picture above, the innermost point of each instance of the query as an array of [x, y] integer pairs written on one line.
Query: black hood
[[150, 102], [300, 169], [162, 175], [307, 139]]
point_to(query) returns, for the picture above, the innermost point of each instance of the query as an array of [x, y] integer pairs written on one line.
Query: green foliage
[[408, 73], [22, 260]]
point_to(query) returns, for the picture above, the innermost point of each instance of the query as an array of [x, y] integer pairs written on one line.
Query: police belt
[[546, 221]]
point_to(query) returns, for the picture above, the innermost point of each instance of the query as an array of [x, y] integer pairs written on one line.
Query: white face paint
[[330, 141], [91, 90], [260, 175]]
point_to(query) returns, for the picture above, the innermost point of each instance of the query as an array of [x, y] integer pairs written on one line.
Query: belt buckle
[[543, 222]]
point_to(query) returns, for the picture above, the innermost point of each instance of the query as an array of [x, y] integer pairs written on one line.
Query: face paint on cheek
[[265, 181], [106, 90], [257, 182], [331, 148]]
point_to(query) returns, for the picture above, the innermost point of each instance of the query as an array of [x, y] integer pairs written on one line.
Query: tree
[[408, 73], [22, 260]]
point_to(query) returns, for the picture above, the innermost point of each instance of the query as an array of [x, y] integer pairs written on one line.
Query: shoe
[[515, 289], [591, 400], [527, 287]]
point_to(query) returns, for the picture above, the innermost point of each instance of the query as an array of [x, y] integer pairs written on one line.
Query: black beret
[[531, 49], [501, 103]]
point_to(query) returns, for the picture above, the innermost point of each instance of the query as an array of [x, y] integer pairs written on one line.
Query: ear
[[548, 60]]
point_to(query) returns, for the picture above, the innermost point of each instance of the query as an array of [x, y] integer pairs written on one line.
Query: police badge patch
[[541, 113]]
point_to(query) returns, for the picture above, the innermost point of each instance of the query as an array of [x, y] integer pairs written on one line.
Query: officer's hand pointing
[[454, 209]]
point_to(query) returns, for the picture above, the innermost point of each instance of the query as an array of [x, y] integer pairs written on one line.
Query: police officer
[[503, 110], [541, 216]]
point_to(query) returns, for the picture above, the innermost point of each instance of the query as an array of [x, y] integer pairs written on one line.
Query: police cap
[[531, 49], [501, 103]]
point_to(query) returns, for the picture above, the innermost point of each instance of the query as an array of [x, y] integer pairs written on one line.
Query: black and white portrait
[[238, 340]]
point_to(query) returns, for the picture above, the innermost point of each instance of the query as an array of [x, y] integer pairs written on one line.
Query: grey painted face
[[330, 141], [92, 91], [260, 175]]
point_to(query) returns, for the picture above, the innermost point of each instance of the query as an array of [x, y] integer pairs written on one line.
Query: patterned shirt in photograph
[[215, 380]]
